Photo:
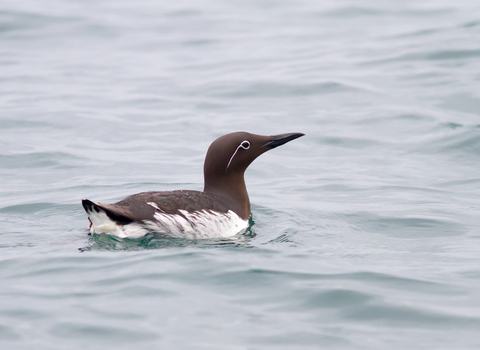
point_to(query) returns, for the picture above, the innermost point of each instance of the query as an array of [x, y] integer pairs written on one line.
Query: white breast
[[196, 225]]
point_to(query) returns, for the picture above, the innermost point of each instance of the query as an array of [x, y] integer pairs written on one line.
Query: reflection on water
[[154, 241]]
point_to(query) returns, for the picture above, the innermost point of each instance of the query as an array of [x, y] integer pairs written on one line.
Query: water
[[366, 230]]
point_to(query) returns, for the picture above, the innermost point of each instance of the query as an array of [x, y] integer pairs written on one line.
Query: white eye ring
[[245, 145]]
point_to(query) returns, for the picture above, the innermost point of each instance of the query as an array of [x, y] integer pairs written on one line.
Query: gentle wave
[[364, 232]]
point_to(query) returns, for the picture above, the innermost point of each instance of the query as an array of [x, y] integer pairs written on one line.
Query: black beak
[[278, 140]]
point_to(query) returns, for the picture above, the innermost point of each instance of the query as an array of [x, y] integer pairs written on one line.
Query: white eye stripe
[[245, 145]]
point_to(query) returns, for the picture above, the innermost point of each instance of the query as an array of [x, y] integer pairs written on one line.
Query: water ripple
[[365, 233]]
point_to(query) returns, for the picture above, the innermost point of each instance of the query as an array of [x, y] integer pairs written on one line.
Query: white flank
[[197, 225], [101, 223]]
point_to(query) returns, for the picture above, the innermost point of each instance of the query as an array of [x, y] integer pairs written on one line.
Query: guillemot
[[221, 210]]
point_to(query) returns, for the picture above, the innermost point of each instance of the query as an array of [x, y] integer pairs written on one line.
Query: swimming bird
[[221, 210]]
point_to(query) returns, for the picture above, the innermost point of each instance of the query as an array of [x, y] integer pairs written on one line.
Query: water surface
[[366, 230]]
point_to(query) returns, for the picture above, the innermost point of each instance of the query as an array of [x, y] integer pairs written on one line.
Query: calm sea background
[[366, 231]]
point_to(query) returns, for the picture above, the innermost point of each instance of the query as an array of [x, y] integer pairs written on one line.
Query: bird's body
[[221, 210], [173, 213]]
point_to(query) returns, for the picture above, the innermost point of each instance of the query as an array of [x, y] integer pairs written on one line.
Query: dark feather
[[137, 207]]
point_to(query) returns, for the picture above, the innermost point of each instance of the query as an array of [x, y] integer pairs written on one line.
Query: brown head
[[227, 159]]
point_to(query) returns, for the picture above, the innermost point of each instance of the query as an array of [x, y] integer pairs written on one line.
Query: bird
[[221, 210]]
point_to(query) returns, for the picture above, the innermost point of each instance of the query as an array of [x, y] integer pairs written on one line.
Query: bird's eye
[[245, 145]]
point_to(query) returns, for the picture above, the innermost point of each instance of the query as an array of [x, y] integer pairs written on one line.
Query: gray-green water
[[366, 231]]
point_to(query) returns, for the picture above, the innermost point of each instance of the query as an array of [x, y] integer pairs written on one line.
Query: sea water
[[365, 233]]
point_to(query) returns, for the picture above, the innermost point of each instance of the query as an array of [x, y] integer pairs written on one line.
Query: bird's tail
[[95, 210]]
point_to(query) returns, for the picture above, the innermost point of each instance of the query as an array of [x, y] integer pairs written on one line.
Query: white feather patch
[[199, 224], [153, 204], [196, 225], [101, 223]]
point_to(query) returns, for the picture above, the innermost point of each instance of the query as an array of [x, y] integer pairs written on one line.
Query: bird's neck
[[233, 189]]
